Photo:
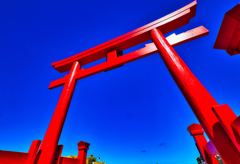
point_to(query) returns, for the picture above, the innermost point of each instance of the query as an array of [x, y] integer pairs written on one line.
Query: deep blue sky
[[134, 114]]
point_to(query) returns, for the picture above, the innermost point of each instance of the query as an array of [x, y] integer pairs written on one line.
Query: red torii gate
[[211, 116], [50, 151], [197, 96], [112, 50]]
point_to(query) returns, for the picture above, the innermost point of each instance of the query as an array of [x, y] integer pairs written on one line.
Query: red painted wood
[[196, 131], [33, 151], [206, 149], [226, 117], [51, 138], [210, 153], [198, 98], [229, 34], [111, 56], [82, 152], [57, 158], [165, 24], [236, 129], [11, 157], [114, 61], [65, 160]]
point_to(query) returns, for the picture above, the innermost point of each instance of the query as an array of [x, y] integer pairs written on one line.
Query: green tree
[[219, 159], [91, 159], [199, 160]]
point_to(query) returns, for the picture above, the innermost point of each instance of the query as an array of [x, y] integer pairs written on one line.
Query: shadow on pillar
[[229, 121]]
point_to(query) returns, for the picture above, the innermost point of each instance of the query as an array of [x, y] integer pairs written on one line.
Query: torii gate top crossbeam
[[166, 24]]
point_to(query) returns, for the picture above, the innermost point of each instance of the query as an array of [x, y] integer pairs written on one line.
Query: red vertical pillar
[[33, 151], [210, 153], [196, 131], [82, 152], [51, 138], [206, 149], [198, 98]]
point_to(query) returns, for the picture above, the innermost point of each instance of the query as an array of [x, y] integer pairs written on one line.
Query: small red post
[[51, 138], [82, 151], [199, 99], [33, 151], [196, 131], [206, 149]]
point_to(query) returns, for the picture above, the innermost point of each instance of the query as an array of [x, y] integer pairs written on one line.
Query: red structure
[[206, 149], [199, 100], [10, 157], [50, 141], [49, 151], [82, 151], [222, 131], [229, 34], [112, 50]]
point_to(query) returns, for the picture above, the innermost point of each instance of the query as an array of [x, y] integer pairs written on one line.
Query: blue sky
[[134, 114]]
